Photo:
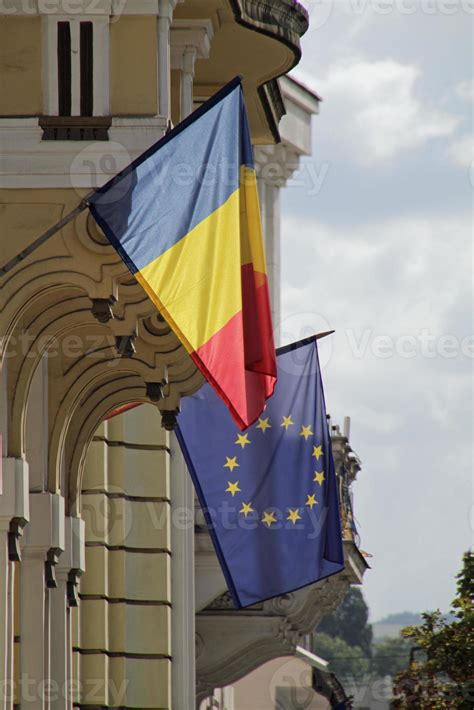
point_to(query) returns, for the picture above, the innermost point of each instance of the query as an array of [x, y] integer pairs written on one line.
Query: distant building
[[298, 681]]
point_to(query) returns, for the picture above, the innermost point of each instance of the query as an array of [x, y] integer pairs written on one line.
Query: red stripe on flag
[[239, 360], [122, 409]]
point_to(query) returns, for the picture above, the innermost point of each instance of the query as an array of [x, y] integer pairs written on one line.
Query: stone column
[[14, 514], [43, 543], [190, 40], [165, 10], [182, 582], [70, 566]]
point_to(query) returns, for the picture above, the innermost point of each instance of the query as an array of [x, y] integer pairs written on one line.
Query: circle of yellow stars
[[269, 518]]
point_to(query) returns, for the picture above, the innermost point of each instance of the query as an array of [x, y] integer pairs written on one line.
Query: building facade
[[110, 592]]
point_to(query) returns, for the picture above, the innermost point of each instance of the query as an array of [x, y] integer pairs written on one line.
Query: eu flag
[[269, 494]]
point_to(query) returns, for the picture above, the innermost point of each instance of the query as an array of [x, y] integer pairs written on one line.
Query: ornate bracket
[[14, 535], [72, 584], [102, 309], [154, 391], [52, 559], [168, 419], [125, 346]]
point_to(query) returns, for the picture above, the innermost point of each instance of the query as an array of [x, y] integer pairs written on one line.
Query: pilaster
[[190, 40], [70, 566], [42, 545], [165, 14], [14, 514], [182, 582]]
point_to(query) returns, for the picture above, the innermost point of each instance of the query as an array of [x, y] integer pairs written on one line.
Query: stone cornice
[[284, 20], [260, 633]]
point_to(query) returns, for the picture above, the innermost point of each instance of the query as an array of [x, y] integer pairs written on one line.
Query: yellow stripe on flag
[[251, 227], [208, 292]]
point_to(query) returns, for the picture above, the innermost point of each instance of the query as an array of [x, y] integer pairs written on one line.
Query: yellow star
[[293, 515], [231, 463], [232, 488], [311, 501], [246, 509], [319, 477], [306, 432], [263, 425], [269, 518], [287, 421], [242, 440], [317, 452]]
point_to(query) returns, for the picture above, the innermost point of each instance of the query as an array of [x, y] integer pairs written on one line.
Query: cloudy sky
[[377, 244]]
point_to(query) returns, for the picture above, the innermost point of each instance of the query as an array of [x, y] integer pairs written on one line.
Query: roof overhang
[[259, 41]]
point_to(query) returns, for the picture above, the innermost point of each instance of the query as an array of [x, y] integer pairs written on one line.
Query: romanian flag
[[185, 219]]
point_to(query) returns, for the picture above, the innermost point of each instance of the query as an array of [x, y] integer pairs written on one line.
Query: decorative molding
[[197, 34], [233, 643], [275, 164], [286, 20], [69, 164], [49, 297]]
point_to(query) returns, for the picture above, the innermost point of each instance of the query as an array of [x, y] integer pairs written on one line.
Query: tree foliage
[[350, 622], [347, 662], [390, 656], [441, 673]]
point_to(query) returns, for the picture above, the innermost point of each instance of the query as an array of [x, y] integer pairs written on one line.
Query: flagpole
[[84, 204]]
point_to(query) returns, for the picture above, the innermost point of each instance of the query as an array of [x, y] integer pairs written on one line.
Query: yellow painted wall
[[133, 74], [20, 66], [125, 614]]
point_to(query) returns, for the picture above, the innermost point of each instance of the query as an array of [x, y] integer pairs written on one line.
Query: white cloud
[[376, 108], [410, 415], [399, 275], [461, 151], [465, 90]]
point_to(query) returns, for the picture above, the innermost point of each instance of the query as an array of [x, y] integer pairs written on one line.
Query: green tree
[[344, 660], [441, 673], [350, 622], [390, 656]]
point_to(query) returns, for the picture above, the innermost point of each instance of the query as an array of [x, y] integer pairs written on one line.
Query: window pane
[[64, 69], [87, 77]]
